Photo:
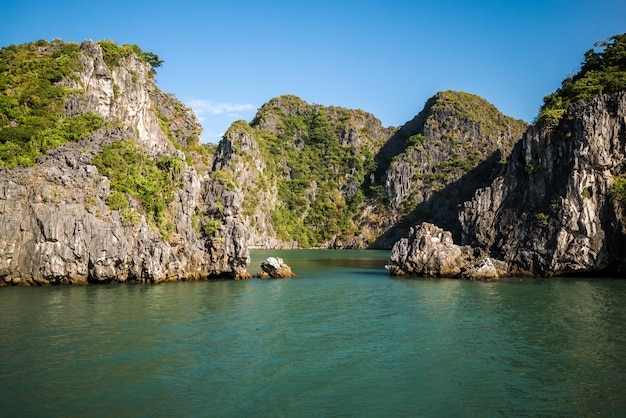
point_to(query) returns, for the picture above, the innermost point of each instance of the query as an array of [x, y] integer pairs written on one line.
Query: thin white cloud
[[205, 108], [217, 117], [212, 137]]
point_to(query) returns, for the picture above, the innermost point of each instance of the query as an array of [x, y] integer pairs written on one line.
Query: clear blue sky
[[226, 58]]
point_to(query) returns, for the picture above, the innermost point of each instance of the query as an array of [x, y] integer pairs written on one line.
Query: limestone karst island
[[104, 178]]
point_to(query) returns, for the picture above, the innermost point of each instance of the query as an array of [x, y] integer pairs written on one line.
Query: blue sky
[[226, 58]]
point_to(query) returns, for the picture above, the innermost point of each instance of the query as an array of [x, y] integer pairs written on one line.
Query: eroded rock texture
[[553, 212], [430, 251], [55, 225]]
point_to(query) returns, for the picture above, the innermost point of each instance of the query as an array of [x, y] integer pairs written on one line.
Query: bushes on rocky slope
[[133, 172], [113, 53], [313, 169], [602, 71], [34, 81]]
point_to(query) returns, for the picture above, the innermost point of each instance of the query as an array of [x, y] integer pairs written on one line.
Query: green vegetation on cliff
[[113, 53], [327, 176], [602, 71], [40, 82], [316, 158], [34, 81], [132, 171], [451, 137], [314, 170]]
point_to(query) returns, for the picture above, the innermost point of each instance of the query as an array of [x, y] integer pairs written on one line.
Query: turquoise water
[[342, 339]]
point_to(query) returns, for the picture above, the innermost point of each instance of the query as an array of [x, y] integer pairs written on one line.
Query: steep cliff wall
[[554, 211], [558, 206], [302, 169], [331, 177], [455, 145], [59, 221]]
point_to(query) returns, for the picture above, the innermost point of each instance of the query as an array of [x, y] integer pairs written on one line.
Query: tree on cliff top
[[602, 71]]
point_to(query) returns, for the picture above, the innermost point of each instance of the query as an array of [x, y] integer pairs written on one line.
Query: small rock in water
[[274, 268]]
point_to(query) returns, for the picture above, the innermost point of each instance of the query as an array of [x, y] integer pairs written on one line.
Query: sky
[[226, 58]]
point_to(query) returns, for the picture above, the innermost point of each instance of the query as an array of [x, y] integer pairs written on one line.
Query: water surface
[[342, 339]]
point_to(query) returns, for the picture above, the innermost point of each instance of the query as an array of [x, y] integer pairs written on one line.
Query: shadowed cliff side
[[457, 144], [557, 210], [559, 205]]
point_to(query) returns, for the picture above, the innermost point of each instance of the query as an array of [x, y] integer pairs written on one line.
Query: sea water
[[342, 339]]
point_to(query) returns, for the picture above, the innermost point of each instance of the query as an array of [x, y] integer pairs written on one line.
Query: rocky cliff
[[321, 176], [301, 169], [555, 210], [558, 206], [435, 162], [62, 220]]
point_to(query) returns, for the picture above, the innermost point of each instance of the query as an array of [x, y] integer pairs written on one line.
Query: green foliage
[[378, 191], [32, 101], [602, 71], [114, 53], [135, 173], [310, 165], [417, 140], [211, 226], [226, 178], [542, 219], [532, 167], [117, 200], [152, 59], [454, 107], [618, 189], [130, 216]]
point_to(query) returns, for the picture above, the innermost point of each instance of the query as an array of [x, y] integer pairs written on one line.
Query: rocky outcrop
[[295, 160], [56, 226], [430, 251], [435, 162], [275, 268], [354, 183], [121, 93], [240, 161], [552, 212]]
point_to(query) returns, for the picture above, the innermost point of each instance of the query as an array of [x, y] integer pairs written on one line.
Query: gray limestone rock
[[55, 225], [430, 251], [275, 268], [552, 211]]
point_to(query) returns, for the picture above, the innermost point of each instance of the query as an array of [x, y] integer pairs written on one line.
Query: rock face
[[275, 268], [435, 162], [552, 212], [56, 226], [354, 183], [430, 251], [301, 169]]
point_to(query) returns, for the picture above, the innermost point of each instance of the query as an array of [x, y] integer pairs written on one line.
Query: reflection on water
[[343, 338]]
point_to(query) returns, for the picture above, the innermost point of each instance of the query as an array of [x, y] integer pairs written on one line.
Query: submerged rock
[[275, 268]]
